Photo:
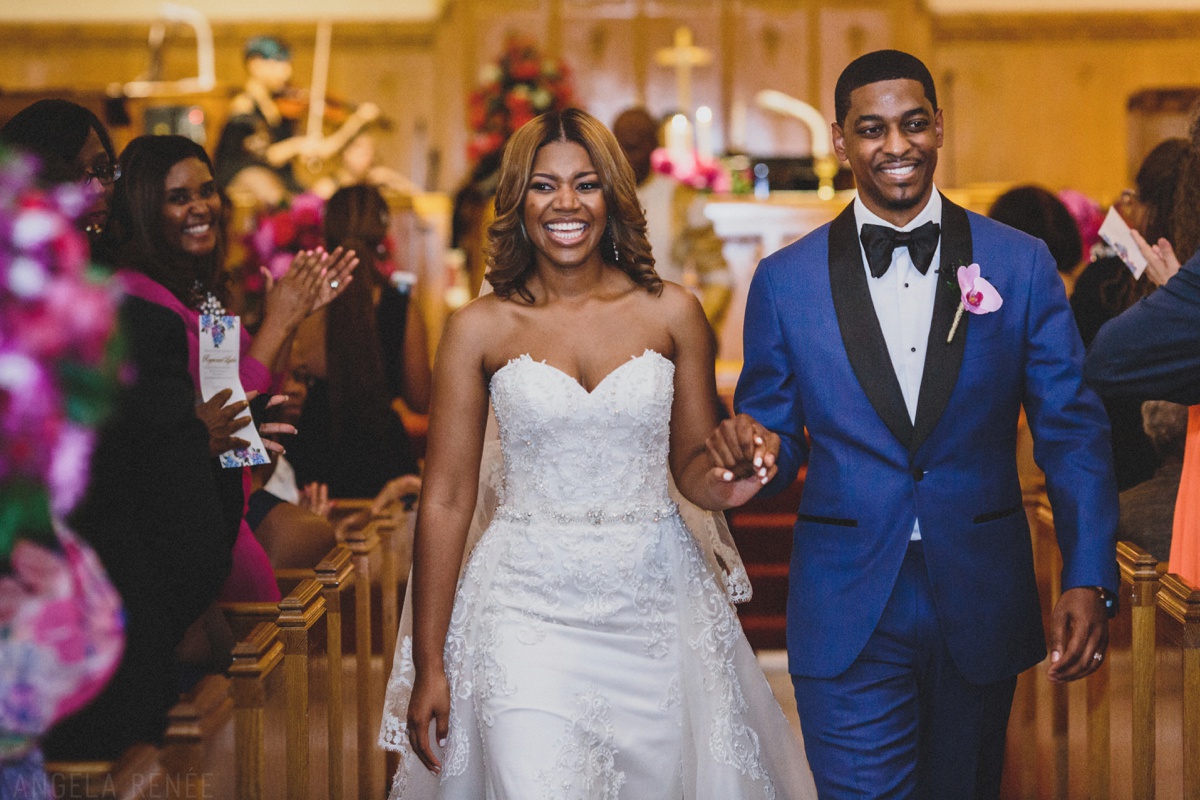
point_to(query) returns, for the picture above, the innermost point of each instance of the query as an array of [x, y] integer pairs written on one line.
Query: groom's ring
[[1097, 656]]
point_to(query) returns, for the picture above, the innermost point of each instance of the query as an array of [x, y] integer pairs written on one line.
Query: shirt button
[[912, 349], [906, 286], [918, 474]]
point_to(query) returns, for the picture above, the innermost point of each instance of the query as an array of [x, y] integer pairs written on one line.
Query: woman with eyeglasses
[[73, 146]]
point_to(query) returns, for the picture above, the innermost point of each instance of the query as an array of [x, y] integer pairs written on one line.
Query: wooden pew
[[258, 691], [192, 762], [302, 625], [1177, 687], [364, 544], [1132, 729]]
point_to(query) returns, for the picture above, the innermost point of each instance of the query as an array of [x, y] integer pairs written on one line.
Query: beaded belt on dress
[[594, 516]]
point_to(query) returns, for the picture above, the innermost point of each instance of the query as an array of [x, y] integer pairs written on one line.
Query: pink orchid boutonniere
[[978, 296]]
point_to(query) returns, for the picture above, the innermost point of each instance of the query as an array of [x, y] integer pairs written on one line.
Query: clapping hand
[[314, 278], [1161, 261], [743, 455]]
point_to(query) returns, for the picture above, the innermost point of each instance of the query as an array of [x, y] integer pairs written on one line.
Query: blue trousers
[[902, 722]]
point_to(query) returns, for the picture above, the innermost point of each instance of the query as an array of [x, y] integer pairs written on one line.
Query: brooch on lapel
[[978, 296]]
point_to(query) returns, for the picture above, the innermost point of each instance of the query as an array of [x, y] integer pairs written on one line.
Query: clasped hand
[[743, 455], [223, 421]]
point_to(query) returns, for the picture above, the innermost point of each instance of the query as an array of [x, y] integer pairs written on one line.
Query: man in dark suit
[[913, 603]]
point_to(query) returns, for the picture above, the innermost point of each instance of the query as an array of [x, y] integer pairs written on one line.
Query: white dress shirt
[[903, 300]]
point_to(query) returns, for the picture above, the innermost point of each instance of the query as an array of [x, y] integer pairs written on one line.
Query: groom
[[913, 604]]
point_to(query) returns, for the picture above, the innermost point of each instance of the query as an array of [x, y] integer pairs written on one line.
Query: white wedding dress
[[592, 653]]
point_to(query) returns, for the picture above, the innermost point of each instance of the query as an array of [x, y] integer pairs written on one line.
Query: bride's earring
[[612, 237]]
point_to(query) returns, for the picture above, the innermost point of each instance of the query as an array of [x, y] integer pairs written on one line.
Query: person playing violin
[[259, 141]]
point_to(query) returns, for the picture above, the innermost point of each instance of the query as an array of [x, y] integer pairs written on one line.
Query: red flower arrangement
[[518, 87]]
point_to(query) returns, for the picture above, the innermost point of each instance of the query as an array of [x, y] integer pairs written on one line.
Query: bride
[[589, 650]]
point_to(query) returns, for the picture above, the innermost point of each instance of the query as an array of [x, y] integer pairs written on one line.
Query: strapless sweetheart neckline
[[527, 358]]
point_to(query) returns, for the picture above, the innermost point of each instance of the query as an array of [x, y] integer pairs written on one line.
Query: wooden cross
[[683, 56]]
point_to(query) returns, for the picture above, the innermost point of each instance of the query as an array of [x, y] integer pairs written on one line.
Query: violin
[[294, 105]]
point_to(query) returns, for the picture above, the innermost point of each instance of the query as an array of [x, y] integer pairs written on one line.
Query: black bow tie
[[879, 241]]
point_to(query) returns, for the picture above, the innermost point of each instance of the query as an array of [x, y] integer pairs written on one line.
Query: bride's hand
[[430, 701], [742, 453]]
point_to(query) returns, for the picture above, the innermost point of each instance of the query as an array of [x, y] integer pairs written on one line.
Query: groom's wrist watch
[[1108, 598]]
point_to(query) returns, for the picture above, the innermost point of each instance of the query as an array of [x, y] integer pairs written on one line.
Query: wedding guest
[[350, 438], [72, 145], [686, 249], [1148, 509], [1152, 350], [166, 237], [1106, 287], [1039, 213], [291, 522]]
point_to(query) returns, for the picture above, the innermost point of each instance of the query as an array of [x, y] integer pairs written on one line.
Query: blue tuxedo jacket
[[1152, 350], [816, 359]]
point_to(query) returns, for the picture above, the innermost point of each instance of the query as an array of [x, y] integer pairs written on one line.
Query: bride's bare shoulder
[[678, 306]]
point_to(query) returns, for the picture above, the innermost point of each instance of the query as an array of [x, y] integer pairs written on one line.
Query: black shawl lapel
[[861, 334], [942, 361]]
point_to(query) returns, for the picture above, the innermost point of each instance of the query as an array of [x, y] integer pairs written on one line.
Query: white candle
[[679, 139], [704, 133]]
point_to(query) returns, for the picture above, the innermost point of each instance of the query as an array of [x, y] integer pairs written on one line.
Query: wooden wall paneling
[[600, 48], [774, 48], [848, 32]]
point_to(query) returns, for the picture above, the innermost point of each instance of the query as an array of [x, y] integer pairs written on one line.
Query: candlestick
[[704, 133], [679, 139]]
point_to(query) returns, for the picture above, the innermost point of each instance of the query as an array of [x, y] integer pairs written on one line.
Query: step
[[764, 537], [770, 584], [786, 501]]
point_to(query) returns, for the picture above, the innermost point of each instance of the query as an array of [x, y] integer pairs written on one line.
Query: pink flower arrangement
[[282, 234], [706, 175], [61, 625]]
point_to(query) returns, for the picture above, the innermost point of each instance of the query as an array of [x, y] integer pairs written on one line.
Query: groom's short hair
[[881, 65]]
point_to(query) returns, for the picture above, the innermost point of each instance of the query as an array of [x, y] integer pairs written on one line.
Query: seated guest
[[290, 523], [1152, 350], [1147, 510], [1107, 287], [166, 236], [350, 437], [1034, 210], [73, 146]]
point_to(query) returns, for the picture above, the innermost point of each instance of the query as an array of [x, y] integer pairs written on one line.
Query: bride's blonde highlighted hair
[[510, 255]]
